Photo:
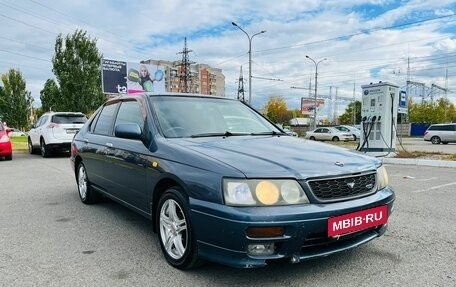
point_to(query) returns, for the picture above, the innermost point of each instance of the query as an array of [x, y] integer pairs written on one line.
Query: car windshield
[[69, 119], [205, 117]]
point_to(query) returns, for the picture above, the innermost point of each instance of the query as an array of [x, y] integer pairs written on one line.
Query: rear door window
[[106, 120]]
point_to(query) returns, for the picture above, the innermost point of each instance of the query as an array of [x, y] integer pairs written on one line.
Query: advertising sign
[[308, 105], [120, 77]]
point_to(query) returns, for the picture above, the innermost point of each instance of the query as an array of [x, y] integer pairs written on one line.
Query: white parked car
[[349, 129], [328, 134], [16, 133], [54, 131]]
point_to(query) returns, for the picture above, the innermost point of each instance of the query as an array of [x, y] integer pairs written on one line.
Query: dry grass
[[425, 155]]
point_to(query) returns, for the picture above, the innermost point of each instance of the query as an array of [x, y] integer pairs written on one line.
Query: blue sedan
[[220, 182]]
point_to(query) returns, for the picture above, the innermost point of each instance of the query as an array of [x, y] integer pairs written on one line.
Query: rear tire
[[9, 157], [175, 230], [435, 140]]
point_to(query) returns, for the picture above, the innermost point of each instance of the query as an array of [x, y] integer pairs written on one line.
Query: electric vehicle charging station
[[378, 117]]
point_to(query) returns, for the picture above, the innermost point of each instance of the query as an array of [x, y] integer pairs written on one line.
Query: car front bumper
[[221, 230]]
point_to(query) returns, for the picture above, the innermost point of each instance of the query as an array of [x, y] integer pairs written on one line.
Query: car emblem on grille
[[351, 185], [338, 163], [369, 186]]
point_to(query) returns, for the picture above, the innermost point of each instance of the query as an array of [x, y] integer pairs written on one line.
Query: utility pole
[[185, 78], [354, 101], [240, 95]]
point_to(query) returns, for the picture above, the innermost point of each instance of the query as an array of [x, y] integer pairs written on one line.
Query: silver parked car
[[441, 133], [328, 134], [356, 133]]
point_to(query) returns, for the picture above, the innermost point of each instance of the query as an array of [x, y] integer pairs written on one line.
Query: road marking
[[427, 179], [435, 187]]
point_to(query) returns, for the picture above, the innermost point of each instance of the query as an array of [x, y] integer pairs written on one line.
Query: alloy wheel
[[173, 229]]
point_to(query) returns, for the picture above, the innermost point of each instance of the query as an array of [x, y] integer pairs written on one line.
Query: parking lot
[[49, 238]]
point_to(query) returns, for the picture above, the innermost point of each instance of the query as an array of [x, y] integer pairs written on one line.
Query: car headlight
[[382, 178], [262, 192]]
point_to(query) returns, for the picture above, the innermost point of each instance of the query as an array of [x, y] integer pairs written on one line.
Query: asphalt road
[[49, 238], [418, 144]]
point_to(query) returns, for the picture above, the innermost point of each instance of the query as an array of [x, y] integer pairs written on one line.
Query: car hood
[[280, 156]]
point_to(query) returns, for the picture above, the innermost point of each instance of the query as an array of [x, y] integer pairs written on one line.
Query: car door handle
[[86, 141], [110, 145]]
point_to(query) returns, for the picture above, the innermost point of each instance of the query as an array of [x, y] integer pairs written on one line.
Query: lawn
[[19, 143]]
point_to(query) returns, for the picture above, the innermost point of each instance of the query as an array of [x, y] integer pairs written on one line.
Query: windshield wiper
[[272, 133], [225, 134]]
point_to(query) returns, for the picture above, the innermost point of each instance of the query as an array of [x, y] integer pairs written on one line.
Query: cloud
[[348, 34]]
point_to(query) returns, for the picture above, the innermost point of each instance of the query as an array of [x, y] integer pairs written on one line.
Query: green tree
[[347, 117], [15, 100], [276, 110], [430, 113], [76, 65], [50, 96]]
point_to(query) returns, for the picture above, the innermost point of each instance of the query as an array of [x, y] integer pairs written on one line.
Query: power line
[[355, 34]]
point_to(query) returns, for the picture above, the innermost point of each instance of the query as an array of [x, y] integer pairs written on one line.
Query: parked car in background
[[356, 133], [328, 134], [54, 131], [6, 149], [290, 132], [221, 183], [16, 133], [441, 133]]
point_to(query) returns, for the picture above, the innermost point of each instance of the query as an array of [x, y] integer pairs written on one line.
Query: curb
[[420, 162]]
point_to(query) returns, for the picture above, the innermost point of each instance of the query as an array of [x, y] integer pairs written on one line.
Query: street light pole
[[315, 96], [250, 57]]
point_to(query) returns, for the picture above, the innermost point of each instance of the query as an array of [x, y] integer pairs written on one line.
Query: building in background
[[203, 79]]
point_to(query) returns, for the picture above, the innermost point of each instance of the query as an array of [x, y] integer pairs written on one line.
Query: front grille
[[340, 188]]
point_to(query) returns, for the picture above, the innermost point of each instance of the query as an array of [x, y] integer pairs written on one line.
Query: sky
[[363, 41]]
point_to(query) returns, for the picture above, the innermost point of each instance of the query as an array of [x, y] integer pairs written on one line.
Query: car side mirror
[[128, 131], [8, 130]]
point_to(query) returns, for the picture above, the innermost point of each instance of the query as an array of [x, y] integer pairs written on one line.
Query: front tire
[[435, 140], [9, 157], [31, 149], [312, 138], [175, 231], [335, 139], [86, 193]]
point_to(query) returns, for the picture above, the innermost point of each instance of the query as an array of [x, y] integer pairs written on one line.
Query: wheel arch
[[77, 161], [160, 188]]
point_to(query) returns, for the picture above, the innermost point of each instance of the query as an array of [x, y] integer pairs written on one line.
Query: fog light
[[261, 249]]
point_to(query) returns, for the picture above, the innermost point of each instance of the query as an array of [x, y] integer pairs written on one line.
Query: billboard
[[120, 77], [308, 105]]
